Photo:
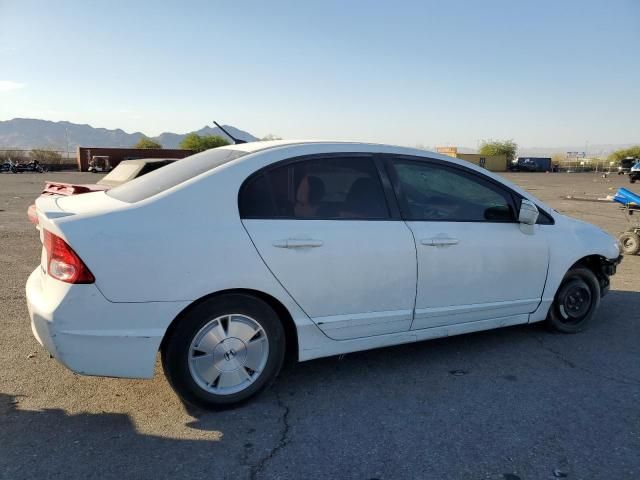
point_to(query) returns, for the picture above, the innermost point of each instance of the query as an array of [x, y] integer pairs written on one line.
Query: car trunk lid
[[53, 211]]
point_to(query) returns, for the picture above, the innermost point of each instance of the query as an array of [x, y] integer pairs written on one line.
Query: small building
[[116, 155], [494, 163], [449, 151]]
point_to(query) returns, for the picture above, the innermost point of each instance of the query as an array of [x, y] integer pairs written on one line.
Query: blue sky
[[545, 73]]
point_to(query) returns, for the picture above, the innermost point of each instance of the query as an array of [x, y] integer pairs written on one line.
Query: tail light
[[63, 263]]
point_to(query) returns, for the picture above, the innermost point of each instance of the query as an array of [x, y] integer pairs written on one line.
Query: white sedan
[[229, 260]]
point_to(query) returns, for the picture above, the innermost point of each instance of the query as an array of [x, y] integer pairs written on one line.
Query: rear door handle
[[297, 243], [439, 241]]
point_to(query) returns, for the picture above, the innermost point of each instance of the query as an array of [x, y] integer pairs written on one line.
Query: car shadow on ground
[[52, 443]]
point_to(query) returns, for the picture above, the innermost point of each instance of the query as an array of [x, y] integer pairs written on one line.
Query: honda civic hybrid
[[228, 261]]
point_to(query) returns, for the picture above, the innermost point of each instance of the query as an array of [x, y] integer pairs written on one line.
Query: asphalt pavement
[[514, 403]]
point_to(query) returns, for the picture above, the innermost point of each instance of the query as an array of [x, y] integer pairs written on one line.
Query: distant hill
[[26, 133]]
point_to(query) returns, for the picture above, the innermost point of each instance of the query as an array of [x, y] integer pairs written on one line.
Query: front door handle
[[297, 243], [439, 241]]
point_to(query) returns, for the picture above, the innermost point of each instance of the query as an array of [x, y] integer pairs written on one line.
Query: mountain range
[[27, 133]]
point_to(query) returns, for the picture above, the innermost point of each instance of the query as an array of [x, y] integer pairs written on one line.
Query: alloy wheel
[[228, 354]]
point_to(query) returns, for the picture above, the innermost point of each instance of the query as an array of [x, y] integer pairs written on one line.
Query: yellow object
[[450, 151], [495, 163]]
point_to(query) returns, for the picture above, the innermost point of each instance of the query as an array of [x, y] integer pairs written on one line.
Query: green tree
[[200, 143], [44, 155], [496, 147], [146, 142], [624, 153]]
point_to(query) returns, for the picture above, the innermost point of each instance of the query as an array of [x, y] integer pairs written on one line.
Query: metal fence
[[52, 159], [596, 165]]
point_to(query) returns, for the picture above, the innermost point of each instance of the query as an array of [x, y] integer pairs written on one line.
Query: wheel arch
[[592, 262], [290, 330], [596, 263]]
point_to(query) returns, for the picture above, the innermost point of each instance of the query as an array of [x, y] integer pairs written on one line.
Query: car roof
[[259, 146], [245, 153]]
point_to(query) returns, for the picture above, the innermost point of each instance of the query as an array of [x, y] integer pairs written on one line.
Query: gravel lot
[[518, 402]]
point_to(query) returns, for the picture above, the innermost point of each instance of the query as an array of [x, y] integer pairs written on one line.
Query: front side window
[[329, 188], [430, 191]]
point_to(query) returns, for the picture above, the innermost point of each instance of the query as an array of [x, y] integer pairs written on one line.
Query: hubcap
[[228, 354]]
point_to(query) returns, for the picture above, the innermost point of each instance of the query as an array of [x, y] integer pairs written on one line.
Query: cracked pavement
[[515, 403]]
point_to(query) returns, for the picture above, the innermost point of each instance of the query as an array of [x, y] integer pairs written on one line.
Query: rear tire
[[575, 302], [629, 243], [223, 351]]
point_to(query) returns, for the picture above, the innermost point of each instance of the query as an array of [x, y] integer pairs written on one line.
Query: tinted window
[[320, 188], [430, 191]]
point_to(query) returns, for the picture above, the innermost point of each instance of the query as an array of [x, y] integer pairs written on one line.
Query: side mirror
[[528, 216]]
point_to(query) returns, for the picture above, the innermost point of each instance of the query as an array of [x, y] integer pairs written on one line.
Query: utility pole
[[66, 134]]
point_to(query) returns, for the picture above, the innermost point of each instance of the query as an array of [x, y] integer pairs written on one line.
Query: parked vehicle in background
[[630, 239], [125, 171], [8, 166], [99, 164], [532, 164], [33, 166], [634, 173], [231, 258], [625, 165]]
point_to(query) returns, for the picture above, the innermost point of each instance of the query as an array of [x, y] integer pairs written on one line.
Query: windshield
[[174, 174]]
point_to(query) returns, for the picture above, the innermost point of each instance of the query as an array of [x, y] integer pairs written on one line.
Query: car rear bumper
[[92, 336]]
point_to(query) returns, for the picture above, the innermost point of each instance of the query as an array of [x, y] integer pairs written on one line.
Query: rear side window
[[330, 188], [174, 174], [429, 191]]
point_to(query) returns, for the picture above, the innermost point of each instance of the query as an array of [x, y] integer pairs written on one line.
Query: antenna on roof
[[235, 140]]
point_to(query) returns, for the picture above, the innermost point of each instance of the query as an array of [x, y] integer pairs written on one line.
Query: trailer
[[630, 239], [533, 164]]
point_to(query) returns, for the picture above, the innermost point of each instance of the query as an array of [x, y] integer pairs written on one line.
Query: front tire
[[575, 302], [224, 350]]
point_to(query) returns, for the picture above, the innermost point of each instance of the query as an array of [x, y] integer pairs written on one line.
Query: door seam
[[415, 297], [280, 283]]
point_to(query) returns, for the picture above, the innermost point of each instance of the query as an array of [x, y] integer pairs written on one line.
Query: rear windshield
[[167, 177]]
